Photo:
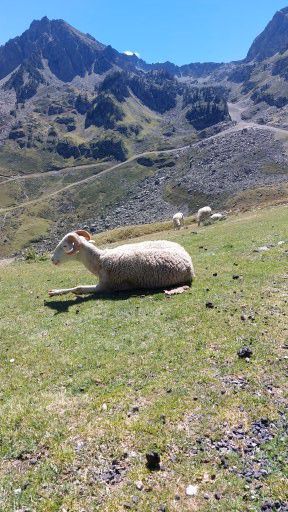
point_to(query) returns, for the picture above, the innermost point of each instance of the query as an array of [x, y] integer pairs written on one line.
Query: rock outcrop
[[273, 39]]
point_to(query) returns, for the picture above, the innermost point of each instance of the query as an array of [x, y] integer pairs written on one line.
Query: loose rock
[[191, 490], [139, 485], [245, 352], [264, 248], [153, 461]]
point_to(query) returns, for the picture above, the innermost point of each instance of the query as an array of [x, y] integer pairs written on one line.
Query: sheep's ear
[[75, 242], [82, 232]]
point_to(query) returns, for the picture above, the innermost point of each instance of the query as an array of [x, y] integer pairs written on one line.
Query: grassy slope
[[38, 158], [108, 189], [171, 357], [14, 160], [14, 193]]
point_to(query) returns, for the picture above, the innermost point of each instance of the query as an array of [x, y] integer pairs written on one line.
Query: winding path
[[6, 261], [90, 178], [56, 172], [235, 111]]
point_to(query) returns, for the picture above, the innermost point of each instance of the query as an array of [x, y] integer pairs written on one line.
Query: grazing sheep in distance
[[217, 216], [178, 220], [203, 214], [149, 265]]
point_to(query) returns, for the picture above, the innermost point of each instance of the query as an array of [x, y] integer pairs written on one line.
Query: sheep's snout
[[56, 257], [55, 261]]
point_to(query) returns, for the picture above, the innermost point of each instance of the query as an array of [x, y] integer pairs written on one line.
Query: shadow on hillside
[[63, 306]]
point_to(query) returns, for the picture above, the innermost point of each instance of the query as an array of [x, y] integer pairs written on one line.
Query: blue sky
[[181, 31]]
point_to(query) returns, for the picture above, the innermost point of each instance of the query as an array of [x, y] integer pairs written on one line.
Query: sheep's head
[[69, 246]]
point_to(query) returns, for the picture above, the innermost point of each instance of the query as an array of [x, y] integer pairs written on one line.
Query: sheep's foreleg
[[78, 290], [175, 291]]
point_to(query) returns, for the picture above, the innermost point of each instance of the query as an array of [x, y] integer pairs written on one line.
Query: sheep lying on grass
[[203, 214], [178, 220], [144, 265]]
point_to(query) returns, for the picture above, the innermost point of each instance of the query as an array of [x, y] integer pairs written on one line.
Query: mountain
[[68, 52], [261, 80], [66, 95], [89, 135], [274, 39]]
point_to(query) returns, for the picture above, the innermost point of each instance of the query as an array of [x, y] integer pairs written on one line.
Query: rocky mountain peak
[[68, 51], [273, 39], [42, 24]]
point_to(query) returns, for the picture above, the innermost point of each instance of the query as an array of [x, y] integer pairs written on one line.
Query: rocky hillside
[[260, 80], [274, 39], [73, 110]]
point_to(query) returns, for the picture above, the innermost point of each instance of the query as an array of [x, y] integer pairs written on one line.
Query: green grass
[[109, 189], [61, 360], [15, 192], [264, 196], [14, 160]]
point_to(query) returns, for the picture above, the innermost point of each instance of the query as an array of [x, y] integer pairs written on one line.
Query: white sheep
[[203, 214], [217, 216], [178, 220], [149, 265]]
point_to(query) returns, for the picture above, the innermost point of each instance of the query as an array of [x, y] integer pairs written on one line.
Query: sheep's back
[[178, 216], [147, 265]]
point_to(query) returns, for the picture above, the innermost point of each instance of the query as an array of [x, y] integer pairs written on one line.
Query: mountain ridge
[[273, 39], [34, 40]]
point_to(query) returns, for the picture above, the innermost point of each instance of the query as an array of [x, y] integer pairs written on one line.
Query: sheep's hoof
[[52, 293], [175, 291]]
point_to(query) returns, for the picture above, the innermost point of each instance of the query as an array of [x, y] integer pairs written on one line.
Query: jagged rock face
[[104, 112], [71, 53], [199, 69], [157, 90], [68, 51], [207, 106], [273, 39], [195, 69]]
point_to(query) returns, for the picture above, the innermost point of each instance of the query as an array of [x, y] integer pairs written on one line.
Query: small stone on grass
[[153, 461], [191, 490], [245, 352], [139, 485]]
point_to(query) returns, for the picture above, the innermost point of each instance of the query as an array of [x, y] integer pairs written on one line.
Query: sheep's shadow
[[63, 306]]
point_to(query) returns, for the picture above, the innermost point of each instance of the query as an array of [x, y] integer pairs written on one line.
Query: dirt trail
[[6, 261], [235, 111], [90, 178], [56, 172]]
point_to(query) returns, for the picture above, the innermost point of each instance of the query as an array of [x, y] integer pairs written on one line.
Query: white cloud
[[128, 52]]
